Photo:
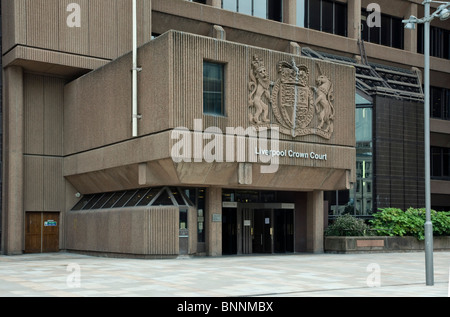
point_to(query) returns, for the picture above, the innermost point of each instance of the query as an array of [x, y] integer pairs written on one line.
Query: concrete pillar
[[290, 12], [314, 222], [354, 19], [410, 43], [214, 3], [213, 221], [12, 209]]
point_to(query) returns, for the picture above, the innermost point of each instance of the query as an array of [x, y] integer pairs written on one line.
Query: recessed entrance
[[257, 228]]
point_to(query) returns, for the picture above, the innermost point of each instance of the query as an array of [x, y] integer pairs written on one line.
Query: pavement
[[256, 276]]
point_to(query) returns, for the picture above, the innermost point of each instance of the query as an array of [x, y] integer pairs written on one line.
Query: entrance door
[[183, 232], [229, 231], [42, 232], [262, 229], [283, 240]]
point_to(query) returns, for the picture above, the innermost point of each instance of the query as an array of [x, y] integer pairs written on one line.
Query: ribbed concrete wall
[[137, 231]]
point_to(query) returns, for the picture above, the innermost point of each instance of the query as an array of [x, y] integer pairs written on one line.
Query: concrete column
[[213, 221], [214, 3], [354, 19], [12, 209], [290, 12], [411, 35], [144, 21], [314, 222]]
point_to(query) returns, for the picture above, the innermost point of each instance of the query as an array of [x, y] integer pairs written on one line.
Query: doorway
[[229, 231], [257, 228], [42, 232], [262, 231]]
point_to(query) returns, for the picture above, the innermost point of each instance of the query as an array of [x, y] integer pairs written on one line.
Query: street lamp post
[[443, 13]]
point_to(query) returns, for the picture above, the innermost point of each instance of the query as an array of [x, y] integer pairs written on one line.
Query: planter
[[382, 244]]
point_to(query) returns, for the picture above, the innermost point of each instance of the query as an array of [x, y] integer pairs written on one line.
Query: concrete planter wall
[[381, 244]]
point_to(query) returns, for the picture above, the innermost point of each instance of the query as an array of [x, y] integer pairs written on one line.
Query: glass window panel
[[229, 5], [436, 95], [113, 200], [163, 199], [149, 196], [397, 33], [340, 19], [123, 200], [213, 90], [385, 32], [446, 107], [83, 202], [420, 38], [374, 34], [137, 197], [274, 9], [260, 9], [314, 14], [102, 200], [183, 221], [245, 7], [92, 201], [436, 162], [363, 125], [177, 196], [327, 16], [301, 7], [364, 27], [446, 163]]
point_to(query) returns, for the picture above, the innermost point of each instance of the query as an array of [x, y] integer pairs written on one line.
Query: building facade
[[257, 122]]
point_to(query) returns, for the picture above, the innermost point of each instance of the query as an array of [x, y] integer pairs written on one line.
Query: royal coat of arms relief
[[299, 108]]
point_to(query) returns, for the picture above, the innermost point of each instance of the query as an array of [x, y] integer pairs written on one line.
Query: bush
[[395, 222], [347, 225]]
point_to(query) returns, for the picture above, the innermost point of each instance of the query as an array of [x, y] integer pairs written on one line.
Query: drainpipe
[[135, 70]]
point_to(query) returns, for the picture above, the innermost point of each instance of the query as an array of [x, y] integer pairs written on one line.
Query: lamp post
[[442, 13]]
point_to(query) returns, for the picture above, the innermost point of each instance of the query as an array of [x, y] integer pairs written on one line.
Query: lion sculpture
[[324, 103], [259, 89]]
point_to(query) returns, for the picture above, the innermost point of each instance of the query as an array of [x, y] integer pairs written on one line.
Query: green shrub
[[395, 222], [348, 225]]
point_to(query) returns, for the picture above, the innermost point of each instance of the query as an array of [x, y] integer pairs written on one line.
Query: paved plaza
[[296, 275]]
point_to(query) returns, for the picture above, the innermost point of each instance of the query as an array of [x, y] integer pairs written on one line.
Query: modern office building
[[243, 128]]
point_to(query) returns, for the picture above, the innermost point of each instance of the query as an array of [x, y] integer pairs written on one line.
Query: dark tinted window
[[213, 88]]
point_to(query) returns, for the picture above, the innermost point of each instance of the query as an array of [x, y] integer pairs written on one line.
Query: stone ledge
[[381, 244]]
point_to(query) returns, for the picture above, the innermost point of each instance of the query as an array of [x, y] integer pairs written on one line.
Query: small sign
[[287, 206], [217, 218], [267, 221], [229, 204], [247, 223], [50, 223]]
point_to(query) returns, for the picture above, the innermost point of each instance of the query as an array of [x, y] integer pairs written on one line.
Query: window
[[440, 103], [323, 15], [164, 196], [391, 32], [440, 163], [439, 41], [213, 88], [198, 1], [359, 200], [266, 9]]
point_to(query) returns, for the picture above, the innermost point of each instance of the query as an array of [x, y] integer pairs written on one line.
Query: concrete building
[[255, 122]]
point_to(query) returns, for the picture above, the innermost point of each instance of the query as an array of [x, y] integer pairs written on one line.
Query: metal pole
[[428, 224], [134, 114]]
